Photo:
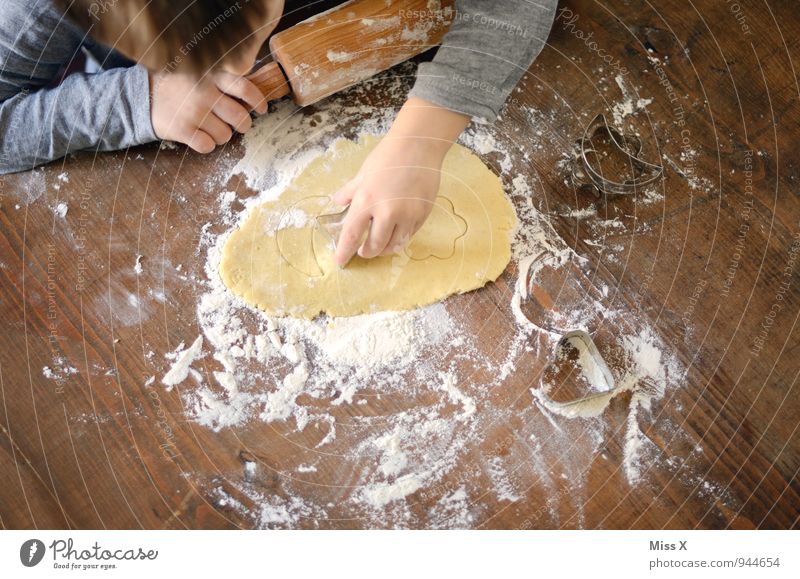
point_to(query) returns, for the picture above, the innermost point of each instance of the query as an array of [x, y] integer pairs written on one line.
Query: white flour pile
[[265, 369]]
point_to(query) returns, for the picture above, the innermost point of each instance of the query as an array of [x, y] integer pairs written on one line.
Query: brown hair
[[193, 35]]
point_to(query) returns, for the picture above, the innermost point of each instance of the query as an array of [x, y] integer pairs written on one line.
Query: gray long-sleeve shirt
[[104, 111], [490, 45]]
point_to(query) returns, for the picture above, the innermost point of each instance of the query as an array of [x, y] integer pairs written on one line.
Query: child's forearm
[[490, 45], [110, 110], [428, 126], [105, 111]]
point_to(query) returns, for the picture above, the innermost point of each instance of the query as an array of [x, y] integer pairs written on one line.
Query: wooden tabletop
[[713, 268]]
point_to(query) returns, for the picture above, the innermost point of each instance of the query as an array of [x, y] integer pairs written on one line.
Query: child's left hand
[[396, 187]]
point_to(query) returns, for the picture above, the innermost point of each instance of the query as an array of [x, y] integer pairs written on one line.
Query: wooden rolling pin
[[350, 43]]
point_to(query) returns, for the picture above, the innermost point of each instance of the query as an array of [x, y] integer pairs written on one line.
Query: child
[[189, 87]]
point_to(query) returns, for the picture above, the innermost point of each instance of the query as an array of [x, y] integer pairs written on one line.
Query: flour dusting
[[394, 405], [182, 365]]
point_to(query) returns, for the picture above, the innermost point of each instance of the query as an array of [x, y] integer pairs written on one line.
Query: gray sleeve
[[490, 45], [40, 122]]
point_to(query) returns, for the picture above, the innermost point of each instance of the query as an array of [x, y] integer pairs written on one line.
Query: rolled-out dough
[[281, 259]]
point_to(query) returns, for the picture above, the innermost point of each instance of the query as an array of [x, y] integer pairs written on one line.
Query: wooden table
[[94, 447]]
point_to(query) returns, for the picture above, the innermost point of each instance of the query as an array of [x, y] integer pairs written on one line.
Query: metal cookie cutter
[[331, 220], [602, 380], [552, 294], [629, 146]]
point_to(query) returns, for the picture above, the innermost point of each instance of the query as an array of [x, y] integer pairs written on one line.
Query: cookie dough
[[281, 259]]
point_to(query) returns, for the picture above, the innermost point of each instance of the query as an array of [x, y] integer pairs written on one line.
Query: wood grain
[[96, 448]]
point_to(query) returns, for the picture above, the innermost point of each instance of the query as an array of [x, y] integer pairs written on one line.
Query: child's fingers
[[218, 130], [252, 95], [380, 232], [201, 142], [345, 195], [244, 90], [355, 223], [231, 112], [400, 238]]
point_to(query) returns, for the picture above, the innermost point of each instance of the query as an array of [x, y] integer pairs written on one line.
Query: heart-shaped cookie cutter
[[545, 298], [608, 385]]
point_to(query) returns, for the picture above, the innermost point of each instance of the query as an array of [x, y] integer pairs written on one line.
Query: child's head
[[186, 35]]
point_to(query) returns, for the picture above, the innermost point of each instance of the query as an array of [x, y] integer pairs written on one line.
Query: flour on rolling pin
[[348, 44]]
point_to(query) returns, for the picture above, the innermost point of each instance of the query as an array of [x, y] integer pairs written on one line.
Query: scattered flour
[[452, 511], [456, 396], [386, 23], [59, 370], [183, 360], [294, 218], [629, 105], [61, 210], [330, 376], [334, 56], [500, 482]]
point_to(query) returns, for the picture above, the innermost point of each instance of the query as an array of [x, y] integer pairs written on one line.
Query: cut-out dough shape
[[301, 246], [465, 243], [440, 233], [298, 245]]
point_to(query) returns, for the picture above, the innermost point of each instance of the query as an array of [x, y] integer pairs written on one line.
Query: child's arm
[[105, 111], [489, 47], [111, 110]]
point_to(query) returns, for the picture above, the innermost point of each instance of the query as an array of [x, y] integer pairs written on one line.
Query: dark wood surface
[[86, 450]]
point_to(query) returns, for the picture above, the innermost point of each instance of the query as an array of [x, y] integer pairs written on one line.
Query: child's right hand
[[202, 113]]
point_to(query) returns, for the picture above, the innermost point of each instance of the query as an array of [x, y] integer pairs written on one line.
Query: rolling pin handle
[[271, 81]]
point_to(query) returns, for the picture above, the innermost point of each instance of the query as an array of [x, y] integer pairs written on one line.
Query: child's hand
[[392, 195], [203, 113], [396, 187]]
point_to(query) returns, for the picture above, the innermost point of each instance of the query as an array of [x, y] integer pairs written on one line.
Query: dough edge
[[314, 296]]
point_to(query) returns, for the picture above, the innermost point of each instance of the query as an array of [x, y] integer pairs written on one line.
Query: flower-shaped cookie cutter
[[331, 221]]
